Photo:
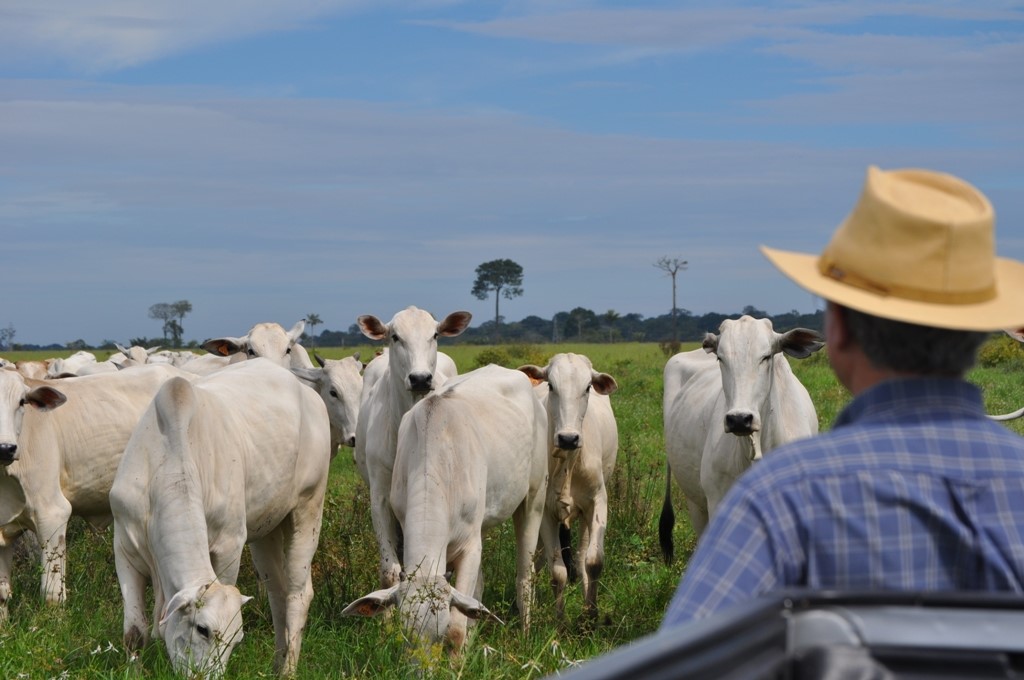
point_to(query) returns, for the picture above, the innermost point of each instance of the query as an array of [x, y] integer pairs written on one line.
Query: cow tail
[[667, 520], [175, 405]]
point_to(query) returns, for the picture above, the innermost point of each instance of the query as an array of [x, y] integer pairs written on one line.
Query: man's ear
[[837, 331]]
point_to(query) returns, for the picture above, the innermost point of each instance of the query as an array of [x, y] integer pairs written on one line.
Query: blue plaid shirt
[[914, 488]]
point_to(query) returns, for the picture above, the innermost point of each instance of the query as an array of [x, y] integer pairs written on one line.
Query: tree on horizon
[[503, 277]]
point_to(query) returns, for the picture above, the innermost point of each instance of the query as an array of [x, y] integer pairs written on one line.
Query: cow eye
[[587, 391], [394, 337], [436, 336], [203, 630], [251, 352], [22, 403], [334, 393], [288, 351], [765, 358]]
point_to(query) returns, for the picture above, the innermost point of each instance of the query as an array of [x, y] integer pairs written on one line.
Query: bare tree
[[672, 266]]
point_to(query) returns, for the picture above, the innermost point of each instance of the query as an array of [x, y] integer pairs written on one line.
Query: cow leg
[[133, 593], [51, 527], [268, 556], [698, 516], [6, 558], [555, 559], [466, 572], [592, 542], [528, 519], [385, 526]]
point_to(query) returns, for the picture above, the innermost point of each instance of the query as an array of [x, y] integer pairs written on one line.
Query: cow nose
[[8, 453], [739, 423], [421, 382], [569, 441]]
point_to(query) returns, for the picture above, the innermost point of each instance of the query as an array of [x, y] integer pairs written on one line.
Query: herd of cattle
[[195, 456]]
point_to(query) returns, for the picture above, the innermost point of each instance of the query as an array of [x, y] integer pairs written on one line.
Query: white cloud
[[105, 35]]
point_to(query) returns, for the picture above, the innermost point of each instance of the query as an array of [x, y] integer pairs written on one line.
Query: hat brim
[[1006, 310]]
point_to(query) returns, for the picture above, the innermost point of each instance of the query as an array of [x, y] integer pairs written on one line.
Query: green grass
[[83, 639]]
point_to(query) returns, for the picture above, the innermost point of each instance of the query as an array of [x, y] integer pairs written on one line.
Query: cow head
[[425, 605], [267, 340], [746, 350], [411, 338], [570, 378], [201, 626], [15, 395], [340, 384]]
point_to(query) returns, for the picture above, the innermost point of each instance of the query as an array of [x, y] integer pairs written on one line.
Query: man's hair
[[910, 348]]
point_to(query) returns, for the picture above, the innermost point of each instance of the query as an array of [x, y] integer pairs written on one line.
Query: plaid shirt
[[914, 488]]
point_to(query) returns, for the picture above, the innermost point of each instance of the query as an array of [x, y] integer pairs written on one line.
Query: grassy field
[[83, 640]]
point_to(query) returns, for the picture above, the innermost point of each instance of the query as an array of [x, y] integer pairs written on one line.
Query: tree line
[[504, 279]]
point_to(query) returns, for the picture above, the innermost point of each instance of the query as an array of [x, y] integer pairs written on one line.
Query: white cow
[[410, 369], [136, 355], [237, 457], [63, 463], [268, 340], [33, 368], [340, 384], [583, 440], [725, 405], [61, 367], [470, 455]]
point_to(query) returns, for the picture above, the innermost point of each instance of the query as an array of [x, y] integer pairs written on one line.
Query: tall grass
[[83, 639]]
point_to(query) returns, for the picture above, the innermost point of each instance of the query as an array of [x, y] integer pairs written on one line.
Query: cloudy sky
[[265, 160]]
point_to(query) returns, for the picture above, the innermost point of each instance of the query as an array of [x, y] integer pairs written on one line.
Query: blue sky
[[270, 159]]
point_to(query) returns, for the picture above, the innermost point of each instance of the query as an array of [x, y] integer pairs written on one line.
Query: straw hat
[[919, 247]]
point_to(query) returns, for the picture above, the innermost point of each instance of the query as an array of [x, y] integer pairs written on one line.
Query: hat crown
[[919, 235]]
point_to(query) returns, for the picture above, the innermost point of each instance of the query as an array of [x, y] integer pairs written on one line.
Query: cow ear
[[372, 327], [800, 343], [223, 346], [309, 376], [710, 343], [45, 398], [472, 607], [356, 357], [373, 604], [296, 332], [536, 373], [183, 599], [603, 383], [1016, 333], [454, 324]]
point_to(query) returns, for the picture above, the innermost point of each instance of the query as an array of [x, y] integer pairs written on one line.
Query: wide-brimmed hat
[[919, 247]]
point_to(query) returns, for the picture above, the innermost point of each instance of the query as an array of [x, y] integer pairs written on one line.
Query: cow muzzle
[[421, 383], [741, 423], [8, 453], [567, 441]]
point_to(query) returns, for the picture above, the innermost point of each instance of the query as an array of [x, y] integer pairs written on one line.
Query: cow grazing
[[240, 456], [470, 455], [583, 440], [339, 382], [409, 369], [725, 405], [61, 461], [268, 340]]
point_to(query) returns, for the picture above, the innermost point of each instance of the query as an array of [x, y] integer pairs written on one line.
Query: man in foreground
[[914, 488]]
